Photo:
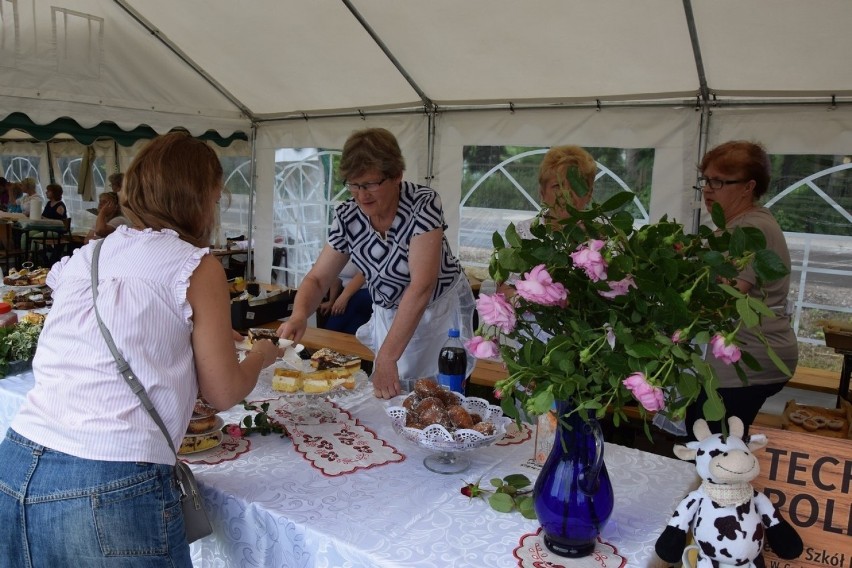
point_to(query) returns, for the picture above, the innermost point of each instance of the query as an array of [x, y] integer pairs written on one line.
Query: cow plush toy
[[728, 518]]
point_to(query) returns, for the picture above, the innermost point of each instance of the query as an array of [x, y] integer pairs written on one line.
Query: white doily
[[436, 437]]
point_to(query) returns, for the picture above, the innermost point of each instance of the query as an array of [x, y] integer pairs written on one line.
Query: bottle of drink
[[452, 363], [8, 318]]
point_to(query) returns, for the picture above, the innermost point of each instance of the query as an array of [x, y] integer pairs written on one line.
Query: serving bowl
[[449, 443]]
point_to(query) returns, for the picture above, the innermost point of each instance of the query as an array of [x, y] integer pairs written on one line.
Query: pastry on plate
[[327, 358], [291, 380], [202, 408], [201, 425], [198, 443], [287, 380], [258, 333]]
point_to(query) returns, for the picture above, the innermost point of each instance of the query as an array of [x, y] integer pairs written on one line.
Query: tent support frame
[[172, 46]]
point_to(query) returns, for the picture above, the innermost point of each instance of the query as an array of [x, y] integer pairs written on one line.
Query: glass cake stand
[[449, 447]]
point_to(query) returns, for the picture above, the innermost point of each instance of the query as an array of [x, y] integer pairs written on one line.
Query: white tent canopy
[[673, 75]]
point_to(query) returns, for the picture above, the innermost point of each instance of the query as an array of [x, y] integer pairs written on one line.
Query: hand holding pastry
[[266, 349]]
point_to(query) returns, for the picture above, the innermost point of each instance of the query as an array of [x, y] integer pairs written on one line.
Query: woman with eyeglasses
[[393, 230], [736, 175]]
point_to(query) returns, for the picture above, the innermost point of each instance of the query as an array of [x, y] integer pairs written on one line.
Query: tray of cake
[[326, 373]]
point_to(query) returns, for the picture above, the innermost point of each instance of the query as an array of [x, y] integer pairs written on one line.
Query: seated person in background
[[4, 194], [349, 305], [109, 216], [555, 190], [736, 175], [14, 191], [115, 181], [55, 207], [28, 188]]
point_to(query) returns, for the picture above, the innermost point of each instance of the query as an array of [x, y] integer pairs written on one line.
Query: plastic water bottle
[[452, 363]]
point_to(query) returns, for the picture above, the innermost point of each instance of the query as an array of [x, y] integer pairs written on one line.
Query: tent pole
[[249, 270], [420, 93], [703, 136], [430, 146], [51, 173], [184, 57], [704, 103]]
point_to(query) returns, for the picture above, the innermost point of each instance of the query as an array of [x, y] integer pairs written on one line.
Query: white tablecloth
[[270, 507], [13, 391]]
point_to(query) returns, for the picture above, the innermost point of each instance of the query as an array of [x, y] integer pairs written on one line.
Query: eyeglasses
[[716, 183], [369, 186]]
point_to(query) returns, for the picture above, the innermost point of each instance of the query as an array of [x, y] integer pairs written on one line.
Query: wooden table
[[486, 373], [222, 253]]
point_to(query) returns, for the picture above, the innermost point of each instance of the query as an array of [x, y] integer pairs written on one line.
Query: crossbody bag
[[194, 516]]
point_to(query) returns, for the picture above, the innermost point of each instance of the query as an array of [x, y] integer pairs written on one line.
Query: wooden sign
[[809, 477]]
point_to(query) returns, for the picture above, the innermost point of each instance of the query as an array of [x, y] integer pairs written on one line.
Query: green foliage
[[259, 423], [18, 343], [584, 350], [509, 494]]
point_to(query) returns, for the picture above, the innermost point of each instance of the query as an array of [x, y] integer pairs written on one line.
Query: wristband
[[255, 353]]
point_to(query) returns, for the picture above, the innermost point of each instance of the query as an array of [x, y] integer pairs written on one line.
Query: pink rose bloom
[[590, 260], [234, 431], [648, 396], [482, 348], [618, 287], [676, 336], [538, 286], [495, 310], [728, 354]]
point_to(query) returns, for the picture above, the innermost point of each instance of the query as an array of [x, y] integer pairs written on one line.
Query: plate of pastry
[[328, 373], [25, 278], [257, 333], [209, 436]]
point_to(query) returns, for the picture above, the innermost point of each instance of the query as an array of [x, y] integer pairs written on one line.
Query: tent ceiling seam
[[430, 106], [829, 102], [153, 30]]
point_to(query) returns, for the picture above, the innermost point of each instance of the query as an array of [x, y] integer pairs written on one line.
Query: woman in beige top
[[736, 175]]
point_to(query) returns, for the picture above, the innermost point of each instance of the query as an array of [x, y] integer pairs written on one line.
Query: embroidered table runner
[[230, 449], [532, 553], [515, 435], [329, 437]]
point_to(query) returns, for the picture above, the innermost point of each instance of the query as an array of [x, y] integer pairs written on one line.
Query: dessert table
[[306, 502]]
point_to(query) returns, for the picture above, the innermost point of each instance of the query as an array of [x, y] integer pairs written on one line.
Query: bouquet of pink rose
[[605, 313]]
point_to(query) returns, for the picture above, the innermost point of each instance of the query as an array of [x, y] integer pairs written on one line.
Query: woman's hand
[[266, 349], [324, 309], [340, 305], [385, 378], [294, 328]]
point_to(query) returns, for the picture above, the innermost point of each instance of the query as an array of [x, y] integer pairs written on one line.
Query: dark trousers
[[743, 402], [357, 313]]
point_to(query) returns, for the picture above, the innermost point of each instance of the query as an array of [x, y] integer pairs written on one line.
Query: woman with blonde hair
[[555, 188], [85, 472]]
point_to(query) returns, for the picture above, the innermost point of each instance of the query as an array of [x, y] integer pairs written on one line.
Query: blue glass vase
[[573, 494]]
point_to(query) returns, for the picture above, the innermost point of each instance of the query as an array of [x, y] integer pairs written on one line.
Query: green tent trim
[[110, 130]]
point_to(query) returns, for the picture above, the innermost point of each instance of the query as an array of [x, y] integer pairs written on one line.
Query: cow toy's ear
[[736, 427], [701, 429], [756, 441], [687, 452]]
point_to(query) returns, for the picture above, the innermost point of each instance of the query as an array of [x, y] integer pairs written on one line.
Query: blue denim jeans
[[60, 510]]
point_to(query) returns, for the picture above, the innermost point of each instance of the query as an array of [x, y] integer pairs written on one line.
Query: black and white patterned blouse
[[384, 261]]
